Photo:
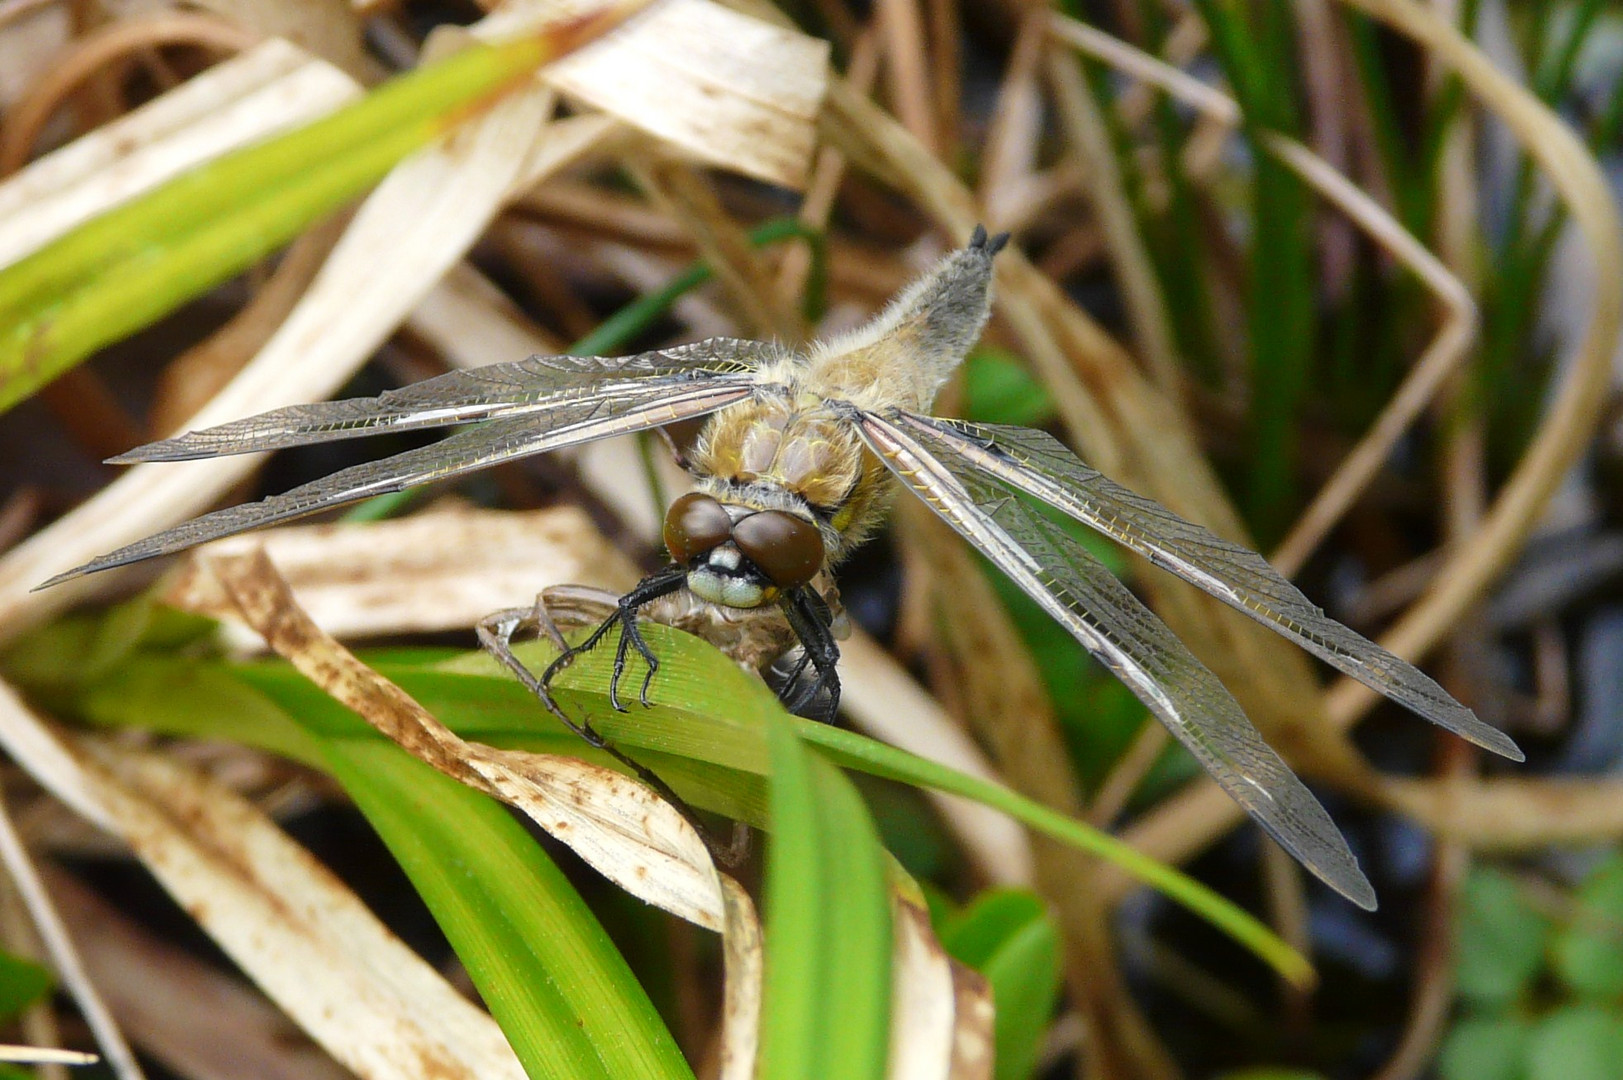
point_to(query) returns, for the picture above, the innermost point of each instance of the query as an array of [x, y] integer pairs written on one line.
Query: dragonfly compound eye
[[787, 549], [695, 524]]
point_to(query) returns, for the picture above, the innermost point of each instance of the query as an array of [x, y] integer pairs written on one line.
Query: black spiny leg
[[812, 621], [496, 635], [651, 588]]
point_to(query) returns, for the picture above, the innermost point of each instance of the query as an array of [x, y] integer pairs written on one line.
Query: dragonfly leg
[[812, 621], [648, 590], [496, 634]]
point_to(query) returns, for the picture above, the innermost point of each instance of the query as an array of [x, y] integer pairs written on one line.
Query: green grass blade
[[551, 977], [563, 996], [124, 269], [828, 924], [857, 752]]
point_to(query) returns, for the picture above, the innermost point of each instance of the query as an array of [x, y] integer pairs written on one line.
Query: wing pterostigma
[[520, 410], [1038, 464], [1081, 594]]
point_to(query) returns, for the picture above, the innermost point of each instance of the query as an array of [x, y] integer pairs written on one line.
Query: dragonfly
[[798, 453]]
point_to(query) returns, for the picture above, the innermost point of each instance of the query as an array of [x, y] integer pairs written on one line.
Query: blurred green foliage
[[1542, 992]]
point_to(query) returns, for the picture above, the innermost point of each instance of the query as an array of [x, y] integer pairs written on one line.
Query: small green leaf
[[1501, 939], [1579, 1042], [1588, 953], [1008, 936], [22, 982], [999, 389], [1485, 1048]]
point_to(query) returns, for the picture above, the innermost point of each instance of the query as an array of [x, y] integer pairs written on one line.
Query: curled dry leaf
[[443, 570], [622, 829], [743, 961], [941, 1011], [630, 835], [614, 823], [728, 89], [281, 916]]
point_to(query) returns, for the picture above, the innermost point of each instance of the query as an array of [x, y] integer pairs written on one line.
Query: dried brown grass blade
[[65, 959], [1442, 357], [1576, 408], [1126, 429]]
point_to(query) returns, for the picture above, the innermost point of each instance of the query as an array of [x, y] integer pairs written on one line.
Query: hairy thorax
[[792, 452]]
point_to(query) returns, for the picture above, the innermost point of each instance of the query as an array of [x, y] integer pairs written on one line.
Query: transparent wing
[[1084, 597], [565, 423], [525, 387], [1038, 464]]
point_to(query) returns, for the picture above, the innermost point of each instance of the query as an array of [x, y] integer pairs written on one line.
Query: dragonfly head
[[741, 556]]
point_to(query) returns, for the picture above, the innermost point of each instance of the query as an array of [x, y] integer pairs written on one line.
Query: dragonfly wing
[[567, 424], [1040, 465], [530, 387], [1084, 597]]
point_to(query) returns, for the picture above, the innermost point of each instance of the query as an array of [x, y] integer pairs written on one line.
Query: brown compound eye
[[787, 549], [694, 524]]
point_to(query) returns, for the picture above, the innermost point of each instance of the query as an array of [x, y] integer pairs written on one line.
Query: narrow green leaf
[[551, 977], [857, 752], [563, 996], [826, 1007], [705, 710], [125, 269]]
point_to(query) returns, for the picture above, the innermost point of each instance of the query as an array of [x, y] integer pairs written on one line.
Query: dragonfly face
[[792, 468]]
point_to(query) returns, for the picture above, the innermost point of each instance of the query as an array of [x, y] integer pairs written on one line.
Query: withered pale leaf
[[441, 570], [922, 999], [726, 88], [743, 959], [284, 919], [271, 87], [414, 226]]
